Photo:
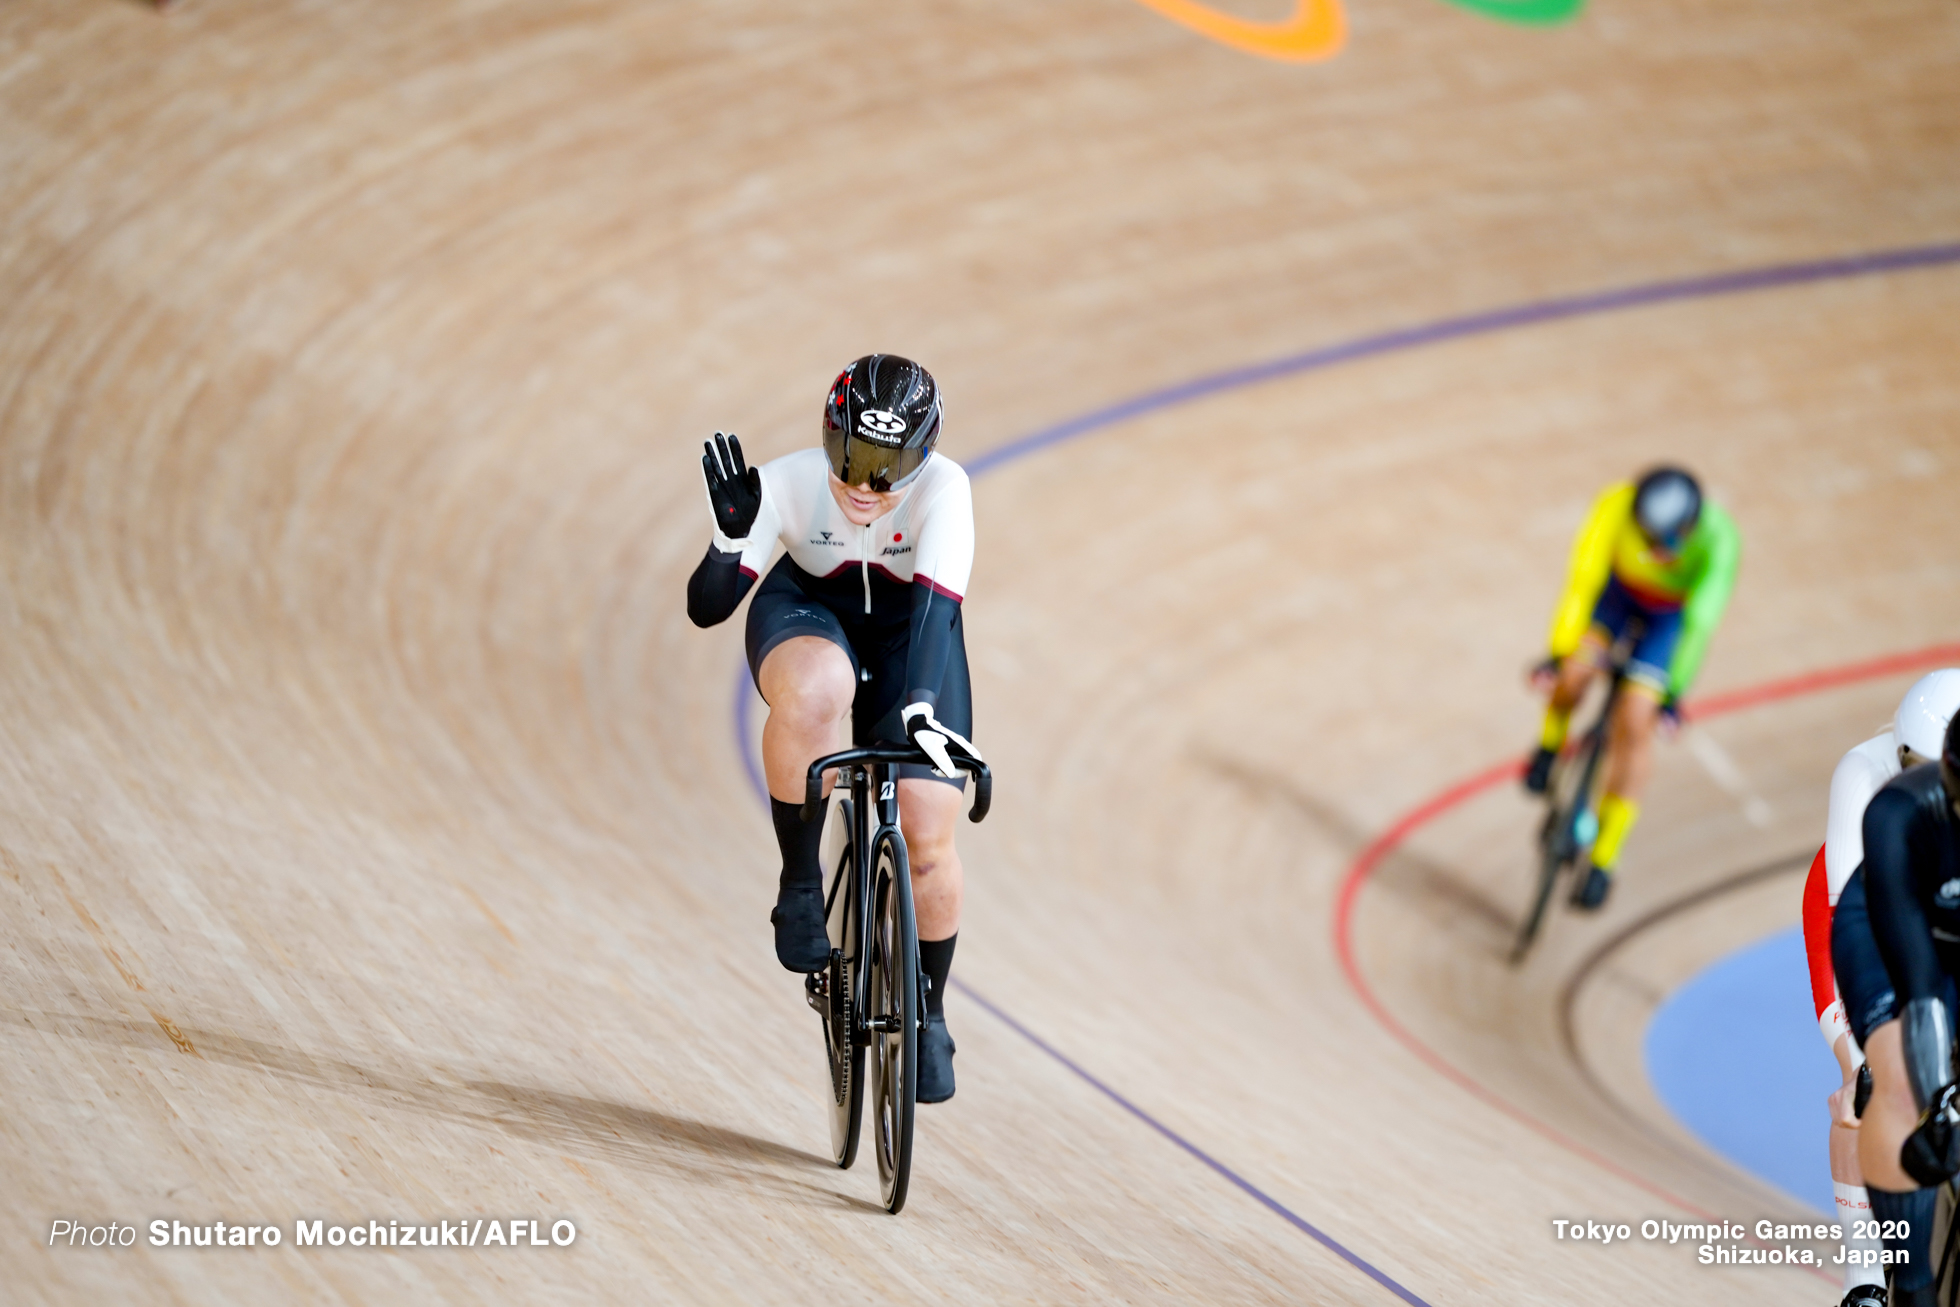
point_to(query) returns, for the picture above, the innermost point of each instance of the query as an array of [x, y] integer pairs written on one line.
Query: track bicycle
[[1571, 816], [871, 996]]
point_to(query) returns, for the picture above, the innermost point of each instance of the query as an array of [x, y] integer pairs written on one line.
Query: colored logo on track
[[1535, 12], [1317, 29]]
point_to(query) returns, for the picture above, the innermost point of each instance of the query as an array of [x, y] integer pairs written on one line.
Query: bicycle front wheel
[[893, 993], [1550, 864], [1563, 836]]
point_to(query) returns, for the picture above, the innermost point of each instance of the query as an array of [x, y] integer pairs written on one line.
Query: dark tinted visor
[[1667, 511], [857, 461]]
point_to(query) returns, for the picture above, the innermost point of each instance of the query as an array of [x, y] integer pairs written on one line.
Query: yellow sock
[[1552, 733], [1616, 818]]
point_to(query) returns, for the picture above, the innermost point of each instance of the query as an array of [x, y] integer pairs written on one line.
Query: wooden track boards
[[375, 837]]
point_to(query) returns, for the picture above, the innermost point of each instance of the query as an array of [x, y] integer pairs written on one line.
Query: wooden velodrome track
[[377, 838]]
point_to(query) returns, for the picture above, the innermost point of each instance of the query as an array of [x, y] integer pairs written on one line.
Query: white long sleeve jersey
[[1861, 773], [928, 537]]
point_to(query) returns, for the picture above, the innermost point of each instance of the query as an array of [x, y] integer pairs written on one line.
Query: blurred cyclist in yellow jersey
[[1655, 559]]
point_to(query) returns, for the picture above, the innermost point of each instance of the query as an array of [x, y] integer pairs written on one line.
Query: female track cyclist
[[859, 618]]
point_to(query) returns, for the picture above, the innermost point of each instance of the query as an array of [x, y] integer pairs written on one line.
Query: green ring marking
[[1539, 13]]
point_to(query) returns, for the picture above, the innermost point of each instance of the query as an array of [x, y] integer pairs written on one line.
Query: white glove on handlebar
[[941, 743]]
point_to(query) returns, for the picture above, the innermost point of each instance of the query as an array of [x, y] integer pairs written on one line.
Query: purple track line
[[1387, 342], [1272, 1204], [1473, 324]]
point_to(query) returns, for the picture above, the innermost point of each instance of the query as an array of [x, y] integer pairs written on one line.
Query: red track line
[[1463, 791], [1791, 687], [1363, 867]]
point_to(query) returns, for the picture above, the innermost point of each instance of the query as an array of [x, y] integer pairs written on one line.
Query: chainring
[[837, 1027]]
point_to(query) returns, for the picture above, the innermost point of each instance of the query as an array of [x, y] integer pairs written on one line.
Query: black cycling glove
[[734, 487], [1931, 1153]]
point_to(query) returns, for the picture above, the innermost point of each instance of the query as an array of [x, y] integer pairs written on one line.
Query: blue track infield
[[1736, 1056]]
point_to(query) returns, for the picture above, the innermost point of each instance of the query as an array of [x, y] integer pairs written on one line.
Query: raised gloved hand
[[941, 744], [734, 487]]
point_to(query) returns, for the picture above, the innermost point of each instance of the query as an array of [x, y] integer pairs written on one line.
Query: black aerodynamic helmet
[[1950, 761], [880, 421], [1666, 505]]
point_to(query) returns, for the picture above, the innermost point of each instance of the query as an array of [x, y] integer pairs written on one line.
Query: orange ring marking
[[1317, 29]]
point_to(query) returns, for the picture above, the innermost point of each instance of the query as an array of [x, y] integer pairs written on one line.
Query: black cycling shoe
[[1538, 773], [936, 1051], [1926, 1295], [801, 942], [1593, 888], [1864, 1295]]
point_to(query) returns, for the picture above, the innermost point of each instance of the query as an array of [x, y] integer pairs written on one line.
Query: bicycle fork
[[865, 1027], [873, 821]]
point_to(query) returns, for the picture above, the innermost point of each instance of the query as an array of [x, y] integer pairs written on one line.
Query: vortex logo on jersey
[[878, 424]]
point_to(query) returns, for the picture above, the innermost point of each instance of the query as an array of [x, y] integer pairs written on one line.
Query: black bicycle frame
[[1582, 794], [1616, 669], [870, 769]]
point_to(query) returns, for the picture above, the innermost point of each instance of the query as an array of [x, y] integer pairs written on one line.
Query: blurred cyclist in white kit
[[1853, 995]]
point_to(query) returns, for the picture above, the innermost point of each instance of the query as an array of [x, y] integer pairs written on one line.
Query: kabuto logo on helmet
[[880, 422], [884, 427]]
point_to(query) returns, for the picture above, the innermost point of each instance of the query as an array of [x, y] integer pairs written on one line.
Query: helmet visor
[[859, 460], [1667, 508]]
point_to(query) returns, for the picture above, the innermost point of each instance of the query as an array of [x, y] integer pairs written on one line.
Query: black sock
[[801, 843], [1916, 1210], [936, 958]]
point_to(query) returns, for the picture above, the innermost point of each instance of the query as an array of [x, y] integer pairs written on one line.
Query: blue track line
[[1387, 342]]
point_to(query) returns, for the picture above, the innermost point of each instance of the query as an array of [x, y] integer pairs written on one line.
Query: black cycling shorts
[[1870, 998], [780, 610]]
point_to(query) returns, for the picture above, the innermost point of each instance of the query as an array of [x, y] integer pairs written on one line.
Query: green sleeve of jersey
[[1703, 611]]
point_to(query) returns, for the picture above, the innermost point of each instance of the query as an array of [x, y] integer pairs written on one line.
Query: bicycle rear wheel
[[844, 1053], [893, 993]]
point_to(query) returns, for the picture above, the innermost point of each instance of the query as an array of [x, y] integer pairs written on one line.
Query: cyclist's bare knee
[[1632, 759], [807, 681], [1633, 720], [929, 814], [1890, 1115]]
